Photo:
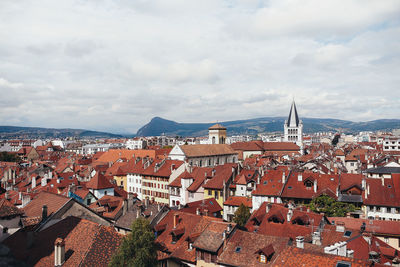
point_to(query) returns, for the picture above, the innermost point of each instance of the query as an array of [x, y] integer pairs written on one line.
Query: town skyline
[[124, 63]]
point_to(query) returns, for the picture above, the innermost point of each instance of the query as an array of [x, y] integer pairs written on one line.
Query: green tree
[[138, 247], [335, 139], [9, 157], [242, 214], [330, 207]]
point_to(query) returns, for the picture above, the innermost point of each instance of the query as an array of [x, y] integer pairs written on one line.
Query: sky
[[113, 65]]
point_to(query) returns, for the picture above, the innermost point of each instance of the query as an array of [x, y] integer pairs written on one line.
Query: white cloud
[[115, 64]]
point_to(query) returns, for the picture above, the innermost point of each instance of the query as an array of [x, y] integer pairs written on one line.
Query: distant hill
[[36, 132], [158, 126]]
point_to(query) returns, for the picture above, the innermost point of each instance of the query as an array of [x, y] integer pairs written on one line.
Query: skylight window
[[238, 249], [289, 187], [347, 234], [343, 264], [265, 182]]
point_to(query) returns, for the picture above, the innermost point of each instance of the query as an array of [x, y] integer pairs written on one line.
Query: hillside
[[158, 126], [36, 132]]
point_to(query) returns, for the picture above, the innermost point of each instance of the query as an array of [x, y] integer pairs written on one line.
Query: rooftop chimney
[[146, 202], [206, 212], [229, 228], [44, 212], [289, 215], [300, 242], [316, 238], [315, 186], [59, 252], [300, 177], [176, 220], [267, 208], [197, 211], [283, 177], [339, 226]]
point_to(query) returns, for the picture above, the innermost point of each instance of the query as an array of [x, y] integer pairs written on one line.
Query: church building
[[293, 127]]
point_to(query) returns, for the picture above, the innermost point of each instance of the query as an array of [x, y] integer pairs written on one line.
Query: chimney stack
[[300, 242], [283, 177], [267, 208], [59, 252], [229, 228], [44, 212], [176, 220], [339, 226], [146, 202], [198, 211], [300, 177], [206, 212], [315, 186], [316, 238]]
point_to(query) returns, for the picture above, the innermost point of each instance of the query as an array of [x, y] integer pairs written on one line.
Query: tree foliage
[[242, 214], [335, 139], [330, 207], [138, 247], [9, 157]]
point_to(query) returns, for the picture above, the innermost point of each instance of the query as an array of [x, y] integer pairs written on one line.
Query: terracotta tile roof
[[372, 226], [193, 225], [199, 176], [271, 183], [8, 210], [362, 248], [275, 222], [114, 154], [53, 202], [211, 239], [165, 170], [326, 184], [111, 206], [99, 181], [386, 194], [236, 201], [249, 244], [249, 146], [293, 256], [223, 173], [207, 150], [281, 146], [217, 126], [209, 204], [86, 243]]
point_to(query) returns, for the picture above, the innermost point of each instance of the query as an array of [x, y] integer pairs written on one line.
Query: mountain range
[[158, 126], [37, 132]]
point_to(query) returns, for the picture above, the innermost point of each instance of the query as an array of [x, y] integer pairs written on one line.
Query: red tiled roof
[[86, 243], [236, 201], [250, 244], [53, 202], [99, 181], [281, 146], [206, 150], [222, 174], [294, 257], [193, 224], [7, 209], [210, 204]]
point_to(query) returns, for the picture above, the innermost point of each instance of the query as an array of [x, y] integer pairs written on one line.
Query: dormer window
[[308, 184], [263, 259]]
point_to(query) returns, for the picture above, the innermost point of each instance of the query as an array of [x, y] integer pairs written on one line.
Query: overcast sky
[[113, 65]]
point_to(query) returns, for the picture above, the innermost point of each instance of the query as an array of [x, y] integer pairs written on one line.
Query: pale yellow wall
[[201, 263], [118, 179], [393, 241]]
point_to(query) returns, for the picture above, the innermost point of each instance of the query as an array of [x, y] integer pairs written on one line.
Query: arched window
[[213, 139]]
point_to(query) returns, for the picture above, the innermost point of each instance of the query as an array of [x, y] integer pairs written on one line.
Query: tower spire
[[293, 120]]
